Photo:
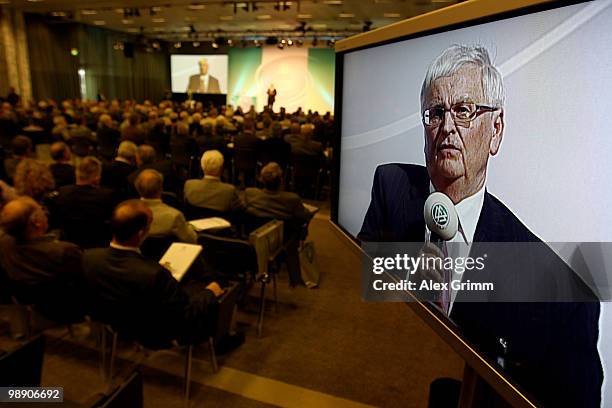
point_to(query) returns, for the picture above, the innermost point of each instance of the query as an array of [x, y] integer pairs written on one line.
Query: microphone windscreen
[[441, 216]]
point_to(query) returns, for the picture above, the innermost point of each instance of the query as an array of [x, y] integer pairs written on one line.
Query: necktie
[[445, 295]]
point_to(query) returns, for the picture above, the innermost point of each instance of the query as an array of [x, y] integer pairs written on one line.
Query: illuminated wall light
[[74, 52], [156, 9], [230, 42], [178, 44], [89, 12], [195, 44], [215, 45], [290, 42], [158, 20], [346, 15], [196, 7], [155, 45], [264, 17], [333, 2]]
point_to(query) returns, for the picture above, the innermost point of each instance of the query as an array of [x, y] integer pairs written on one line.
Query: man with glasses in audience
[[462, 106]]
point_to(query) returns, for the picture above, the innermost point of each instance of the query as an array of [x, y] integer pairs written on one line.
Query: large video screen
[[199, 73], [531, 142]]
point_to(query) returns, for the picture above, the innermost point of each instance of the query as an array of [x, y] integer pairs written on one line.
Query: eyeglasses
[[463, 113]]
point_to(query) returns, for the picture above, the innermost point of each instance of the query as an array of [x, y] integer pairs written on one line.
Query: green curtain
[[108, 71], [52, 69]]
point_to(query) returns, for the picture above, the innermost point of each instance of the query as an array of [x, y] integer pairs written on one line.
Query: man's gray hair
[[127, 150], [89, 169], [454, 58]]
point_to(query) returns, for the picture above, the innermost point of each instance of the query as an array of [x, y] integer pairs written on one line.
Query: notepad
[[179, 257], [210, 223], [311, 208]]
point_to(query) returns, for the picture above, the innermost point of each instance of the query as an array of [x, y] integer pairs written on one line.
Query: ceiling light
[[226, 18], [195, 6], [264, 17], [230, 42], [127, 21], [333, 2], [214, 44], [392, 15], [89, 12], [346, 15], [304, 16], [195, 44], [99, 22], [158, 20], [290, 42], [178, 44], [74, 52]]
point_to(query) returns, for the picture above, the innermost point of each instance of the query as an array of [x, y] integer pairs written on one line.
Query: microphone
[[440, 216]]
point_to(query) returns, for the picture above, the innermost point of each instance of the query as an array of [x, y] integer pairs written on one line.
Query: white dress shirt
[[204, 80], [468, 211]]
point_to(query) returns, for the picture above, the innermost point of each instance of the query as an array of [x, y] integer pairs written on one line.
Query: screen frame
[[461, 15]]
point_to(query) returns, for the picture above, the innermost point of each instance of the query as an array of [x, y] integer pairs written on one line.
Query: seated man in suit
[[21, 147], [304, 143], [203, 82], [41, 269], [84, 209], [462, 101], [115, 174], [108, 137], [139, 297], [210, 192], [62, 170], [271, 202], [147, 159], [167, 221]]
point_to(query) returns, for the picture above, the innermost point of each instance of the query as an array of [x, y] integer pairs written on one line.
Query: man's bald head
[[23, 218], [130, 222], [60, 151], [149, 184]]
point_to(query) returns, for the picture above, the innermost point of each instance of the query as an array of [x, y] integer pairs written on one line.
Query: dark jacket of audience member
[[21, 147], [115, 175], [40, 269], [147, 159], [133, 132]]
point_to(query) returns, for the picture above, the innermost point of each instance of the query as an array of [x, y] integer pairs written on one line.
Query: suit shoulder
[[402, 169], [511, 227]]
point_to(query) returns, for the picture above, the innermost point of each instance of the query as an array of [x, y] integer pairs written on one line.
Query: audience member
[[108, 137], [304, 144], [41, 269], [147, 159], [116, 173], [21, 148], [167, 221], [133, 132], [33, 178], [270, 202], [84, 210], [62, 170], [210, 192], [138, 296]]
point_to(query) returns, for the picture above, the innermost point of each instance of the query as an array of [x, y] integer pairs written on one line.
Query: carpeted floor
[[322, 347]]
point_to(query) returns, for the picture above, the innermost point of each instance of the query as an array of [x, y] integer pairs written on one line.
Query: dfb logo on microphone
[[439, 215]]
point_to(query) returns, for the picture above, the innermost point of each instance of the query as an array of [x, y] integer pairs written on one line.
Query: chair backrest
[[22, 367], [193, 212], [234, 258], [126, 394], [156, 247], [305, 166], [268, 242]]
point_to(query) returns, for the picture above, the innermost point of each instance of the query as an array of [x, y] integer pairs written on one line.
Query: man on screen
[[203, 82], [549, 348]]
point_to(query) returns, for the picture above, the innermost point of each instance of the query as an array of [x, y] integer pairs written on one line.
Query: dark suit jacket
[[171, 181], [283, 205], [115, 176], [84, 214], [194, 84], [551, 347], [108, 141], [143, 301], [45, 272], [63, 174]]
